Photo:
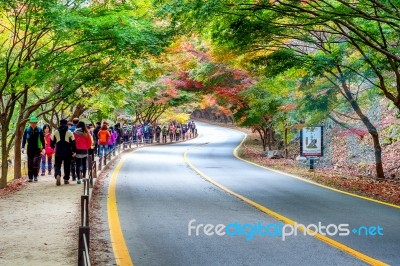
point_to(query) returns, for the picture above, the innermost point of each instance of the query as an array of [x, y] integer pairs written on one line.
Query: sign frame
[[317, 138]]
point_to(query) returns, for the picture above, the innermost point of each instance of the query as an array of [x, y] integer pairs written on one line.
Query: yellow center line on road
[[334, 243], [235, 153], [121, 251]]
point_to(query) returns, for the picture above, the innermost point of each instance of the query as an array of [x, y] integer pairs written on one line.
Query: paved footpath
[[39, 224]]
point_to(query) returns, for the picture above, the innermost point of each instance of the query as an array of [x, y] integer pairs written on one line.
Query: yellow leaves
[[298, 94], [105, 60], [173, 115]]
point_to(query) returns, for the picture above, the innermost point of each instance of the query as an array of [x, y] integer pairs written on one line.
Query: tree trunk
[[78, 111], [262, 135], [286, 142], [378, 156], [371, 129], [377, 146], [273, 141], [17, 152], [269, 133], [4, 157]]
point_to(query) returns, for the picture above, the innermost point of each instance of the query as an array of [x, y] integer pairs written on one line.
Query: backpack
[[103, 136], [146, 129], [29, 133]]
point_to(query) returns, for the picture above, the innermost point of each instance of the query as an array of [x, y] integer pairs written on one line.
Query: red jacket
[[83, 143]]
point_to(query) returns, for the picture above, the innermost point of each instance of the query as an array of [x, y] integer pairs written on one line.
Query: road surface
[[164, 204]]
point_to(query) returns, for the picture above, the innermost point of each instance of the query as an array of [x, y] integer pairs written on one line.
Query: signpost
[[312, 143]]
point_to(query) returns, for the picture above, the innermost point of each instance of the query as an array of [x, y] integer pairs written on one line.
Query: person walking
[[103, 137], [184, 130], [72, 128], [95, 138], [48, 150], [83, 141], [64, 142], [146, 133], [164, 134], [158, 133], [118, 130], [111, 140], [193, 130], [178, 133], [33, 138], [125, 133], [92, 148], [139, 133], [171, 132], [115, 138]]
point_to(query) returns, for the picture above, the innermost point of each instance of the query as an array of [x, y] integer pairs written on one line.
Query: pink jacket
[[48, 149]]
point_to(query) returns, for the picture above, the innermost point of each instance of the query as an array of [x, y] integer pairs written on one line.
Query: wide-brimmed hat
[[33, 119]]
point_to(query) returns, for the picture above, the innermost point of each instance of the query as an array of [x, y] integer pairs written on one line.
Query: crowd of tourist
[[74, 142]]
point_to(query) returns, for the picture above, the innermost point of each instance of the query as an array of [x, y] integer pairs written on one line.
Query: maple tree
[[345, 60]]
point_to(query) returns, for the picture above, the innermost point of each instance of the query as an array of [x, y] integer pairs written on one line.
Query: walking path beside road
[[39, 224]]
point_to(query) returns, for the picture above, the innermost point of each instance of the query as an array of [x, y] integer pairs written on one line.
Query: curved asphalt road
[[158, 194]]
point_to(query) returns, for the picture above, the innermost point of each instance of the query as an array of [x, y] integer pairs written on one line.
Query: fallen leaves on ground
[[384, 190], [13, 186]]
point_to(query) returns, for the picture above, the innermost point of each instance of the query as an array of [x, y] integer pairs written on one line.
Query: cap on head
[[33, 119]]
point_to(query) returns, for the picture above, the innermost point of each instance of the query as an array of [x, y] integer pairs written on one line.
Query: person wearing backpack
[[83, 141], [178, 133], [164, 134], [125, 133], [118, 130], [151, 134], [184, 130], [171, 132], [158, 133], [64, 142], [33, 138], [139, 133], [146, 132], [103, 137]]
